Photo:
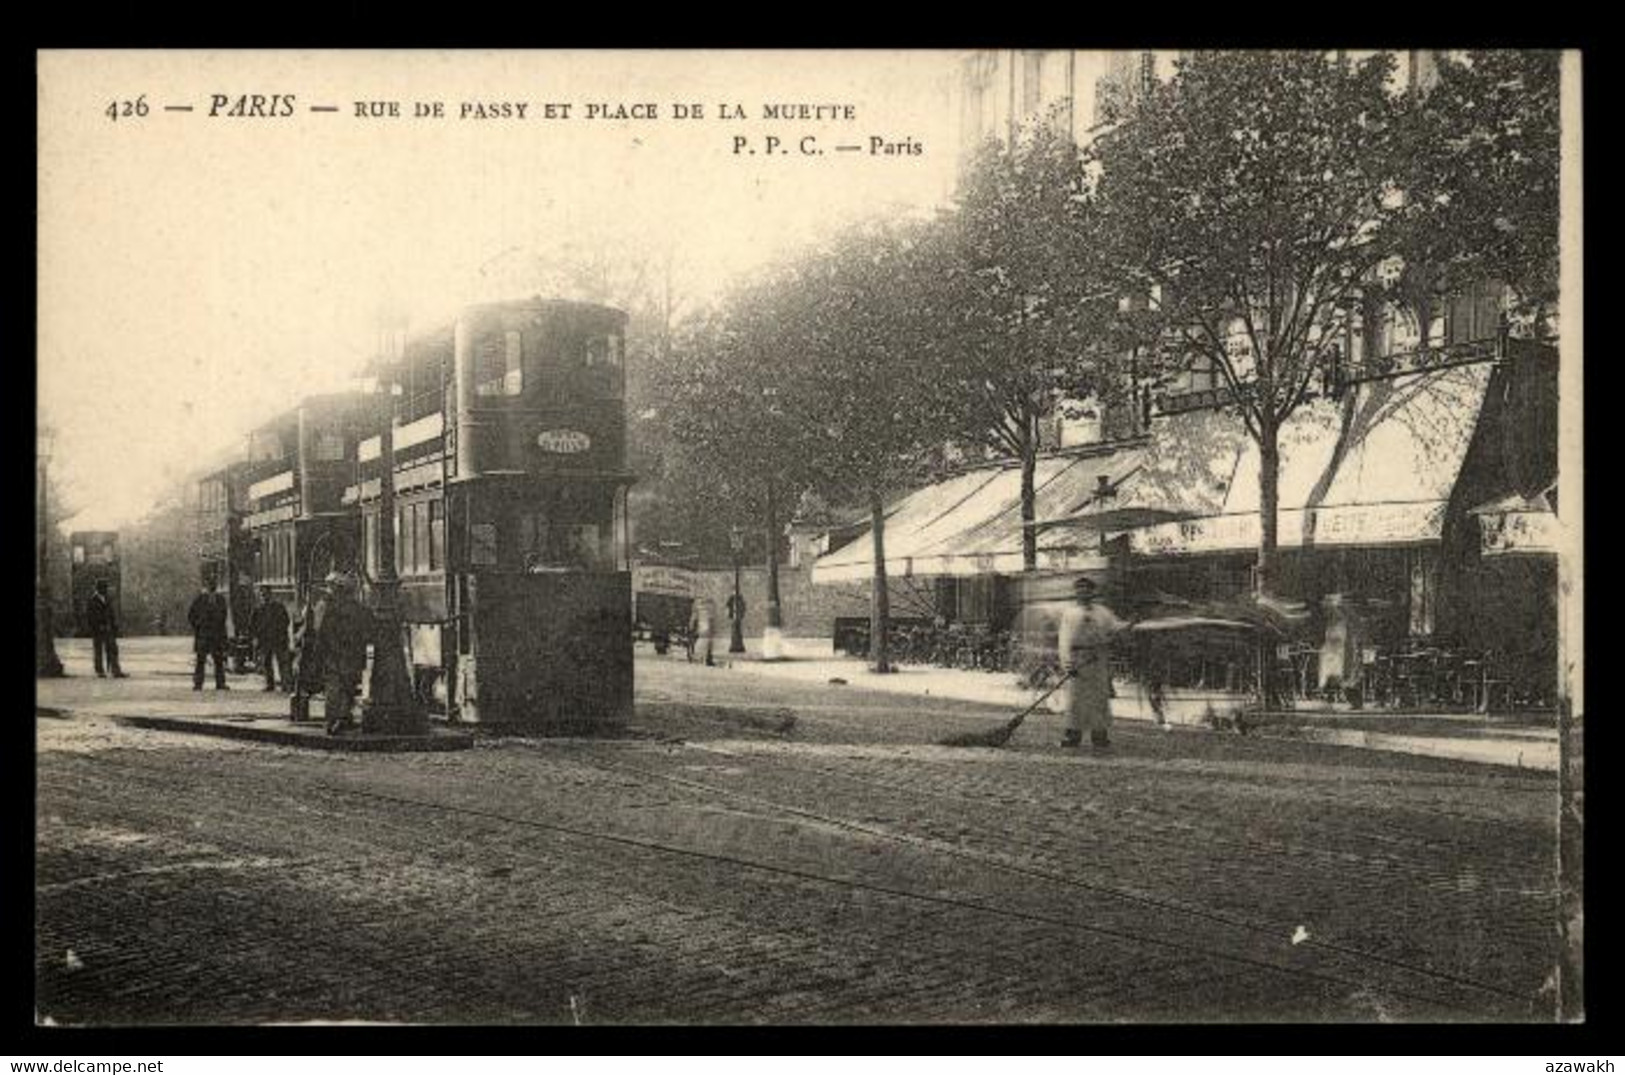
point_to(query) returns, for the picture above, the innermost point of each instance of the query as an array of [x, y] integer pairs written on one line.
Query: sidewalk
[[158, 695], [1461, 736]]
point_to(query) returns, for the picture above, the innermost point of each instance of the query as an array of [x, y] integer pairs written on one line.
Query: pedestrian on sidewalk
[[103, 624], [1086, 632], [270, 631], [307, 662], [342, 635], [701, 624], [208, 619]]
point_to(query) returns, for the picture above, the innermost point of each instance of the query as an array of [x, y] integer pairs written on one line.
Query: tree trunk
[[773, 611], [1029, 466], [1269, 496], [772, 635], [880, 606]]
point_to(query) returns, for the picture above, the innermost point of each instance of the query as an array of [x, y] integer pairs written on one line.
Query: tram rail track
[[1169, 906], [1185, 952]]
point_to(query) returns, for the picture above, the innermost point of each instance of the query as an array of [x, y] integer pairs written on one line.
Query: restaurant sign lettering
[[662, 579], [1335, 525]]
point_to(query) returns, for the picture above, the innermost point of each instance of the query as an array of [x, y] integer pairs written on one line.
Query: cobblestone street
[[765, 851]]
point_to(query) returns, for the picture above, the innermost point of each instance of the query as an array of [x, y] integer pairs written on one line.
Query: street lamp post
[[47, 665], [391, 708], [736, 541]]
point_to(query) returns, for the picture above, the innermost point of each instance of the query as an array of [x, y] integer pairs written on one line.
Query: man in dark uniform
[[103, 624], [342, 636], [208, 619], [271, 640]]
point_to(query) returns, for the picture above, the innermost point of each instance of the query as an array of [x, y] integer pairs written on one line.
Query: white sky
[[197, 275]]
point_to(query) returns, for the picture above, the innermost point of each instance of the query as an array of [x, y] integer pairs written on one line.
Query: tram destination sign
[[563, 441]]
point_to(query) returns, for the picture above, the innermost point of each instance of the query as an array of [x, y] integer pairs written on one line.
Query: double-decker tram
[[510, 514], [225, 552], [94, 558], [300, 463]]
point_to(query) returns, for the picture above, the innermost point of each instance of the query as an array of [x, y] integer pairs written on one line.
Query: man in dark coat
[[208, 619], [103, 624], [343, 632], [271, 640]]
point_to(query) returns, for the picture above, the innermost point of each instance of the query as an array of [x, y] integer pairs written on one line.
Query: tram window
[[369, 541], [603, 350], [499, 370], [329, 447], [403, 535], [78, 554], [414, 540], [582, 548], [437, 536], [421, 554], [559, 546]]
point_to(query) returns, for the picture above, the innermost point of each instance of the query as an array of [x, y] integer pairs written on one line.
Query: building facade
[[1428, 439]]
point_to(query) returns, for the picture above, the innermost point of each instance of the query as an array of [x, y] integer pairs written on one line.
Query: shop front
[[1378, 542], [961, 540]]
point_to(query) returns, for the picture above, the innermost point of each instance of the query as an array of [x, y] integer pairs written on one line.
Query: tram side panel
[[550, 652]]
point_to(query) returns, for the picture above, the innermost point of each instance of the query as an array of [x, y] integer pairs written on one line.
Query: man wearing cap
[[270, 630], [208, 619], [1085, 637], [103, 623], [342, 634]]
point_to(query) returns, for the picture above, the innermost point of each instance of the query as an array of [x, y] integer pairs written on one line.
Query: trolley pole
[[392, 707], [47, 665]]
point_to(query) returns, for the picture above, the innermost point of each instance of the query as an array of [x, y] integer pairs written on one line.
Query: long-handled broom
[[999, 736]]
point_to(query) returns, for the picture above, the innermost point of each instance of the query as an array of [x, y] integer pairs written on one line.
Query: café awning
[[1183, 469], [1376, 469], [971, 524]]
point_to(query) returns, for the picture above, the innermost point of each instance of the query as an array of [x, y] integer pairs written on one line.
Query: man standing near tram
[[103, 624], [208, 619], [343, 629], [1085, 638], [270, 630]]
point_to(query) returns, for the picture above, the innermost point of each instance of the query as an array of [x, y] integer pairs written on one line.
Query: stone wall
[[807, 610]]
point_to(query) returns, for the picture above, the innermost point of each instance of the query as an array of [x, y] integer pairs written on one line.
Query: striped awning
[[1375, 470], [971, 524]]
